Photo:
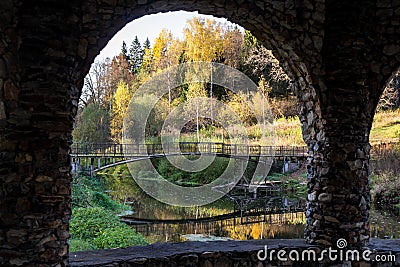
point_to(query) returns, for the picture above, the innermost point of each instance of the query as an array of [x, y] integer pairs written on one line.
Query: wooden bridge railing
[[134, 150]]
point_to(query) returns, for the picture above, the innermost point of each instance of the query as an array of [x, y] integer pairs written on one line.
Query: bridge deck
[[186, 148]]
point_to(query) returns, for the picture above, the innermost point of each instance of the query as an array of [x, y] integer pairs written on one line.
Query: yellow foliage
[[203, 40], [121, 100], [160, 50]]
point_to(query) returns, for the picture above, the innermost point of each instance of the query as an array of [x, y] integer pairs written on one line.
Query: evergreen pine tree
[[135, 56], [124, 51]]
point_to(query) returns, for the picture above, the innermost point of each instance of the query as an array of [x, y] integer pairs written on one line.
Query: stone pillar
[[37, 105], [336, 125], [337, 117], [338, 186]]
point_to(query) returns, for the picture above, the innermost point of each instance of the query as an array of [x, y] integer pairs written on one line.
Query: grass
[[385, 189], [288, 132], [386, 127]]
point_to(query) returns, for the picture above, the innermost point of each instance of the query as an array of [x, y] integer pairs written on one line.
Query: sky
[[150, 26]]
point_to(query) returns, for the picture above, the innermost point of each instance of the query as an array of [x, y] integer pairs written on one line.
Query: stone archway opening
[[119, 45]]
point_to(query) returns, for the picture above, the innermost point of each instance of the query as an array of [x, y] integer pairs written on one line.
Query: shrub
[[79, 245], [89, 192], [101, 229], [385, 189], [88, 223], [120, 237]]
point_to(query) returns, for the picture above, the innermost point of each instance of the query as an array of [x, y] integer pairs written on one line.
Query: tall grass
[[288, 132], [385, 175], [386, 126]]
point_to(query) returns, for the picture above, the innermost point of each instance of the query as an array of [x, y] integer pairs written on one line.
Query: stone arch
[[287, 42]]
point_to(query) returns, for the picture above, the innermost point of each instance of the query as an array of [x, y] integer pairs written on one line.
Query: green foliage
[[89, 192], [88, 223], [171, 173], [79, 245], [135, 113], [135, 55], [92, 125], [119, 238], [101, 229], [94, 223]]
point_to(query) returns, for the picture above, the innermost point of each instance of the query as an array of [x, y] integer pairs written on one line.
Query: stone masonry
[[340, 54], [232, 254]]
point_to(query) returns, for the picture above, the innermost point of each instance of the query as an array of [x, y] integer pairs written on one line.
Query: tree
[[390, 97], [239, 103], [121, 100], [92, 125], [97, 86], [120, 71], [232, 47], [124, 51], [147, 64], [135, 56], [196, 108], [146, 44], [160, 50], [203, 40], [260, 61], [139, 117]]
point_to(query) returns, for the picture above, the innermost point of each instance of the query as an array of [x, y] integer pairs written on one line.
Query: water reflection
[[164, 223], [287, 225]]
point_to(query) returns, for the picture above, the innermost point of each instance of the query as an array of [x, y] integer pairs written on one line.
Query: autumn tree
[[121, 100], [196, 107], [391, 95], [160, 50], [232, 47], [203, 41], [120, 71]]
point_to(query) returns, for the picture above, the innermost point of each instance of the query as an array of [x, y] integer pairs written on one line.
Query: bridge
[[106, 155]]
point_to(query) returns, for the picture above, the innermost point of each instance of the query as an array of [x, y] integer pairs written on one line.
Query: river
[[162, 223]]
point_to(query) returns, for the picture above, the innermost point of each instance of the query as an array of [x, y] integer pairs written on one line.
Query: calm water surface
[[163, 223]]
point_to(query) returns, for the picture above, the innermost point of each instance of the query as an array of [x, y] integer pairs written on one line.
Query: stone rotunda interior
[[340, 54]]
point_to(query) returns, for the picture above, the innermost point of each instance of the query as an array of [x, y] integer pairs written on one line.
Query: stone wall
[[339, 53], [224, 254]]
